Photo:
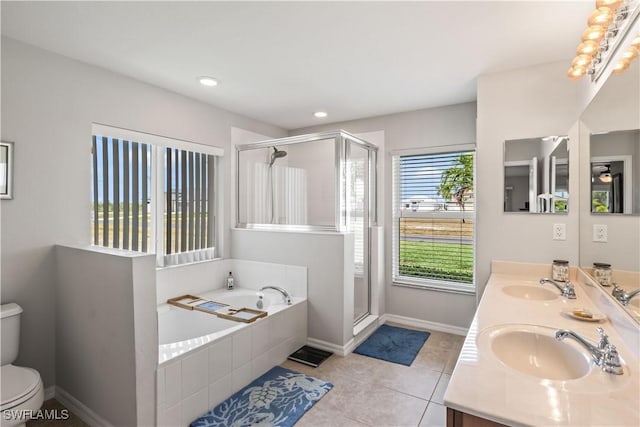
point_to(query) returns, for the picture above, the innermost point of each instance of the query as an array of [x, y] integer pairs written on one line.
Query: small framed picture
[[6, 170]]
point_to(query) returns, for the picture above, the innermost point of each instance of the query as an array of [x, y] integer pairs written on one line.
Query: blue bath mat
[[278, 398], [393, 344]]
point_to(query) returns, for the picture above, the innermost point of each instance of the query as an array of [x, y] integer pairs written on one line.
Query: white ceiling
[[281, 61]]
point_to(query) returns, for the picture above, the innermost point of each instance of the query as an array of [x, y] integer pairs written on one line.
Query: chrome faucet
[[567, 290], [604, 354], [622, 296], [285, 294]]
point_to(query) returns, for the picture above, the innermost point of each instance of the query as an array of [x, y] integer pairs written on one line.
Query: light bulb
[[320, 114], [581, 61], [611, 4], [594, 32], [601, 16], [636, 42], [589, 47], [576, 73], [630, 54], [621, 66]]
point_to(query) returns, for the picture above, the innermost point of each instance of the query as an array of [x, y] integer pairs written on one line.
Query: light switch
[[600, 233]]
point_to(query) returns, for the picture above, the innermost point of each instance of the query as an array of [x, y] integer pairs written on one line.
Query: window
[[433, 220], [153, 193]]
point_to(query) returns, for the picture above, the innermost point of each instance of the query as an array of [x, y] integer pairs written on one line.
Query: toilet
[[21, 388]]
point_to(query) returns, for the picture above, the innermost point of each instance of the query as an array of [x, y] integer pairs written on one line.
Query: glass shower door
[[358, 186]]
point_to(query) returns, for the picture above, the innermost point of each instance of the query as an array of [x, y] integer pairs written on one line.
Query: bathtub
[[204, 359], [180, 330]]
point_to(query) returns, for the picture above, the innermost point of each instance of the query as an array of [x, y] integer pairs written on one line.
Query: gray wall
[[48, 105], [106, 333], [524, 103], [454, 124]]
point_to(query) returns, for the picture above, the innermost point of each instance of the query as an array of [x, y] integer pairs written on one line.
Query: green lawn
[[446, 261]]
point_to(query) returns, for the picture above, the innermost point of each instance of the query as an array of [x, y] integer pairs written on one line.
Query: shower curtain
[[289, 186]]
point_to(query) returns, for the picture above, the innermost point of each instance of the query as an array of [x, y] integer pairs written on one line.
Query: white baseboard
[[423, 324], [385, 318], [49, 392], [334, 348], [80, 409]]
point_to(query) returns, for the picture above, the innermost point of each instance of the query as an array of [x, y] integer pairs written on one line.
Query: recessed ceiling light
[[207, 81], [320, 114]]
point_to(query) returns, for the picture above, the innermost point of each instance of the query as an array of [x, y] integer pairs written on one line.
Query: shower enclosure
[[318, 182]]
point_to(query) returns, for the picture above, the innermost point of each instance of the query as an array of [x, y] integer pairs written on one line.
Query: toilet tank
[[10, 322]]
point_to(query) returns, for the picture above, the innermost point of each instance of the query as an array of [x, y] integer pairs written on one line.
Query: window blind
[[433, 219], [189, 219], [121, 188]]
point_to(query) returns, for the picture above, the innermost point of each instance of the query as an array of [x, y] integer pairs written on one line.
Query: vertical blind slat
[[196, 201], [125, 196], [143, 178], [105, 192], [184, 195], [210, 198], [191, 193], [135, 197], [168, 187], [203, 201], [96, 225], [116, 193]]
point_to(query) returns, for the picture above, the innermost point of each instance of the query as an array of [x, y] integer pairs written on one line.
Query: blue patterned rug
[[393, 344], [278, 398]]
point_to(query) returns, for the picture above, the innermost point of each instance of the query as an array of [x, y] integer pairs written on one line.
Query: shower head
[[277, 154]]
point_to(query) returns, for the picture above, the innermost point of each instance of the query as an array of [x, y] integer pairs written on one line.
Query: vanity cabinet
[[462, 419]]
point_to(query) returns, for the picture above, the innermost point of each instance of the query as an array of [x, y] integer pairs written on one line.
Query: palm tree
[[457, 182]]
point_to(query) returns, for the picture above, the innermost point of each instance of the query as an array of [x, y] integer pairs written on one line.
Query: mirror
[[536, 175], [614, 170], [610, 184]]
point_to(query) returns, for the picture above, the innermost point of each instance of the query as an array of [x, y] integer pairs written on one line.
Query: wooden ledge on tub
[[224, 311]]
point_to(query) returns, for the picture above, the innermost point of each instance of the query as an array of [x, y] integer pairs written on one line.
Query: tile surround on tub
[[194, 383], [201, 277]]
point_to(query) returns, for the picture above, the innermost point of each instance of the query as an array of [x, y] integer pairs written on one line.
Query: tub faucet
[[285, 294], [622, 296], [604, 354], [567, 290]]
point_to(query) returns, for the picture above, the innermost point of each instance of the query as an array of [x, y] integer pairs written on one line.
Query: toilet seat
[[18, 385]]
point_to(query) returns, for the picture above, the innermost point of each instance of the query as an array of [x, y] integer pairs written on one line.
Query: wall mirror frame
[[6, 170], [610, 148], [536, 175]]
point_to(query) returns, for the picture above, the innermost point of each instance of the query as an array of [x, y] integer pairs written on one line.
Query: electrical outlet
[[559, 231], [600, 233]]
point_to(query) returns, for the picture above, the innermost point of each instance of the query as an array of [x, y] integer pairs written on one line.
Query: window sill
[[186, 264], [435, 286]]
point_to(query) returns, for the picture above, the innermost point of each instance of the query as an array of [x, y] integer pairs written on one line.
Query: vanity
[[512, 369], [529, 358]]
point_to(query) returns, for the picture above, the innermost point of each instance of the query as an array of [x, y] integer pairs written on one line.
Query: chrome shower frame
[[341, 145]]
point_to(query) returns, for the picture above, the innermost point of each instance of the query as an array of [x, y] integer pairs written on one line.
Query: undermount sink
[[533, 350], [530, 292]]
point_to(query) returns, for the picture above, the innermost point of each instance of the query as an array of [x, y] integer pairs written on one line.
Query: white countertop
[[483, 386]]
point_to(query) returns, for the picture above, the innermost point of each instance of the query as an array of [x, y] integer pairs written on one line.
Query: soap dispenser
[[230, 281]]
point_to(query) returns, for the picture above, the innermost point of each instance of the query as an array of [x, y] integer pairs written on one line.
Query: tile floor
[[53, 405], [372, 392], [367, 391]]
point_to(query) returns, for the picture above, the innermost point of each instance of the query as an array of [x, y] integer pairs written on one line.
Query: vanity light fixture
[[208, 81], [600, 37], [320, 114]]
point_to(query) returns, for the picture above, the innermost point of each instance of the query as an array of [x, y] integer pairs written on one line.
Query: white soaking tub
[[203, 359]]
